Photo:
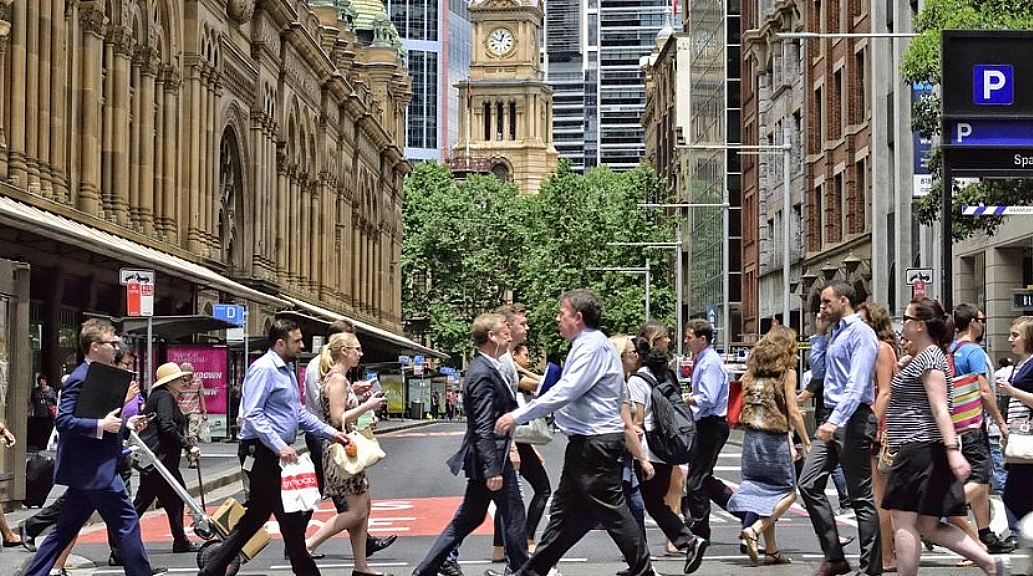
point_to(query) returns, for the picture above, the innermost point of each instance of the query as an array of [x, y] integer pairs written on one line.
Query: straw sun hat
[[168, 372]]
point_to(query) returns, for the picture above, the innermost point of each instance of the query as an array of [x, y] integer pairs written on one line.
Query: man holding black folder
[[87, 460]]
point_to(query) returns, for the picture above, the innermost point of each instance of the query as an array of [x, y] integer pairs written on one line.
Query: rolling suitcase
[[39, 477]]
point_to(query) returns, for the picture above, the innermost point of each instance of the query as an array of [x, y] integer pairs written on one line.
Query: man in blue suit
[[484, 455], [88, 450]]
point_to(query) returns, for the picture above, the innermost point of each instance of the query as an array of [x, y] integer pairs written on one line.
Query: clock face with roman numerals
[[501, 41]]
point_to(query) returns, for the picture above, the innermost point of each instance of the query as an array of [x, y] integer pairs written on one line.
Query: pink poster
[[210, 363]]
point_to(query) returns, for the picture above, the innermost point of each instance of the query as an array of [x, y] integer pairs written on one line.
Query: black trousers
[[851, 446], [532, 470], [471, 514], [589, 489], [46, 517], [263, 500], [153, 486], [653, 492], [700, 485]]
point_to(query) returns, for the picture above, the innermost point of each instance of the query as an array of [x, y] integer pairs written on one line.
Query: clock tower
[[505, 119]]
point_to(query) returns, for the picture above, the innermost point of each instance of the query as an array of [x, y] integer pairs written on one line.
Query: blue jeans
[[1000, 475]]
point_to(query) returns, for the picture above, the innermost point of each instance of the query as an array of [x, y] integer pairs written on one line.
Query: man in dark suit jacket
[[483, 455], [88, 450]]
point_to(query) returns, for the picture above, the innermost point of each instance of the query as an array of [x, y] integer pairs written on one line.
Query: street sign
[[417, 366], [139, 285], [914, 275], [918, 289], [137, 275], [237, 314], [712, 314], [234, 313], [991, 132]]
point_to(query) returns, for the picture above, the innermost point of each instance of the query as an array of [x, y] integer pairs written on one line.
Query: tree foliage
[[922, 63], [471, 245]]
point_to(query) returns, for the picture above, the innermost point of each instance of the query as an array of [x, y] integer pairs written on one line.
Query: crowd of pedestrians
[[913, 422]]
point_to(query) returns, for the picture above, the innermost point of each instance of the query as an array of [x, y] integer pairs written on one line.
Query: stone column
[[120, 161], [92, 19], [16, 143], [148, 75], [31, 86], [159, 175], [135, 139], [107, 141], [355, 278], [45, 170], [5, 34], [193, 183], [170, 111], [211, 163], [59, 88], [282, 190], [306, 237]]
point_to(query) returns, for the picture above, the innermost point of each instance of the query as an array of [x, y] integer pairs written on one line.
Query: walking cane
[[200, 484]]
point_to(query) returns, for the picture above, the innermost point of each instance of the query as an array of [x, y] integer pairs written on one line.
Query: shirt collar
[[277, 360], [847, 320]]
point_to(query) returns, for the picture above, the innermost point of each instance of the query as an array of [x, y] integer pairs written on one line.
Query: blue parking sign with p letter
[[993, 84]]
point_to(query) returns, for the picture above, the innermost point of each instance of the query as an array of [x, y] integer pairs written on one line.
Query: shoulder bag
[[764, 404], [1019, 449], [536, 431], [367, 453]]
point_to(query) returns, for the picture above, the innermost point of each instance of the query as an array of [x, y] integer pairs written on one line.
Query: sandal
[[777, 557], [749, 535]]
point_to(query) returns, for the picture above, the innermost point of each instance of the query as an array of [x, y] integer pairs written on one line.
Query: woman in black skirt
[[928, 475]]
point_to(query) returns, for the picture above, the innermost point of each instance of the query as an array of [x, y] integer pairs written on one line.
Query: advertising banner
[[209, 364]]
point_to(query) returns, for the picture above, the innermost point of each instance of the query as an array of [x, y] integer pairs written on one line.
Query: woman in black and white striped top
[[928, 475]]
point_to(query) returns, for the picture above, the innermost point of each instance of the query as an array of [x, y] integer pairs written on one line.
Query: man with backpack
[[972, 395], [709, 402]]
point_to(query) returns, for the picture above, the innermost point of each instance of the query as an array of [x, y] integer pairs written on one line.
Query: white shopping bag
[[299, 489]]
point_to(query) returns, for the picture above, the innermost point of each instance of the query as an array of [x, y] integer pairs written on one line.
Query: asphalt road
[[415, 497]]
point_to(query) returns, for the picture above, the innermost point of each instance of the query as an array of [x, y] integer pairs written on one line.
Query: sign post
[[139, 285]]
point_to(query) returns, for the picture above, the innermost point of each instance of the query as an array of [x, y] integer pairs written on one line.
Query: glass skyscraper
[[592, 51], [436, 36]]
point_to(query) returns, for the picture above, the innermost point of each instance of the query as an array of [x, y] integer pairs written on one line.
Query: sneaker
[[994, 545], [694, 554], [450, 568]]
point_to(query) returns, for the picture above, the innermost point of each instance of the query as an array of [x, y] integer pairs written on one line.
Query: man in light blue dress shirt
[[586, 402], [846, 435], [272, 412], [709, 402]]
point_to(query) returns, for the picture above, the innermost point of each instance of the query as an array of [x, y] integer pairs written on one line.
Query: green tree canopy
[[472, 245], [922, 64]]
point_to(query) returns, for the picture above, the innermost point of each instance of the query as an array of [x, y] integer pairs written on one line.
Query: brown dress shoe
[[833, 568]]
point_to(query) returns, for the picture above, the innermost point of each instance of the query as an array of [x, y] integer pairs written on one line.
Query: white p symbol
[[993, 80], [964, 130]]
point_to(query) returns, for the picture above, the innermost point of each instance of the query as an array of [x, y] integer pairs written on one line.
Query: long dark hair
[[654, 358]]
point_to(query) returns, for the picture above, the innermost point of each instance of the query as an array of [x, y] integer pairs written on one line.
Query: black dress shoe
[[833, 568], [450, 568], [490, 572], [114, 560], [28, 542], [155, 570], [374, 545], [184, 547]]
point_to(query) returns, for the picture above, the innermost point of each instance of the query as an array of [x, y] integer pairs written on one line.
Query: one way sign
[[914, 275]]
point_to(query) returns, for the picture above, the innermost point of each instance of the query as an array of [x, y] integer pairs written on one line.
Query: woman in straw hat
[[166, 437]]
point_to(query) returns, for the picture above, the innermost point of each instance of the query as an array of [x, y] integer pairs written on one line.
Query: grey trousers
[[851, 446]]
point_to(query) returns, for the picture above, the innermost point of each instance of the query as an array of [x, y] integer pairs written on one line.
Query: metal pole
[[787, 207], [148, 377], [648, 317], [947, 297], [678, 286], [726, 281]]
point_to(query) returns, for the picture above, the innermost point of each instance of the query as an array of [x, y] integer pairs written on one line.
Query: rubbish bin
[[416, 410]]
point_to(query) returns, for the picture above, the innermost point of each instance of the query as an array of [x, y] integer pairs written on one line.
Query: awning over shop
[[32, 219], [172, 327], [363, 327]]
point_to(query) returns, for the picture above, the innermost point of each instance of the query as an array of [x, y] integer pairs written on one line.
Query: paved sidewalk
[[219, 467]]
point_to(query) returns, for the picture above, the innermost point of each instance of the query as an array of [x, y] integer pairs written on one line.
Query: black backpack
[[673, 437]]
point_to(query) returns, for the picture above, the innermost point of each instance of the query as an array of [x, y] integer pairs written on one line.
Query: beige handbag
[[1019, 449], [368, 452]]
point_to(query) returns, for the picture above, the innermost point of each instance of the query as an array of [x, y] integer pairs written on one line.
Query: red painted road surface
[[414, 517]]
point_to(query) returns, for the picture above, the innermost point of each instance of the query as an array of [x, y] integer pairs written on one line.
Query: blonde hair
[[331, 351], [622, 342]]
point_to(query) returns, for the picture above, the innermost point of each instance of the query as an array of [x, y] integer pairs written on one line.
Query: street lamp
[[642, 270], [676, 245], [878, 237], [786, 150]]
